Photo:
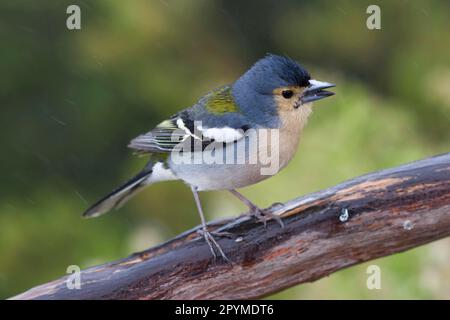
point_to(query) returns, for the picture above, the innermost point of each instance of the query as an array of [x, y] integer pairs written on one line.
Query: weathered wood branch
[[388, 211]]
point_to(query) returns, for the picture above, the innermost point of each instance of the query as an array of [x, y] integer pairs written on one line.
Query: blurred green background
[[71, 101]]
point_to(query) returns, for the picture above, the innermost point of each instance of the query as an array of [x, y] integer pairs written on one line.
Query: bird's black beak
[[316, 91]]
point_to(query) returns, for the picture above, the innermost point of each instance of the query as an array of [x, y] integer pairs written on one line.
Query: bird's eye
[[287, 94]]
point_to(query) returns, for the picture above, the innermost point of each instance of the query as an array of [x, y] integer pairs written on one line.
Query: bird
[[209, 145]]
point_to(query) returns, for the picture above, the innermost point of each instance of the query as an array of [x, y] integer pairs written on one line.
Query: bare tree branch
[[388, 212]]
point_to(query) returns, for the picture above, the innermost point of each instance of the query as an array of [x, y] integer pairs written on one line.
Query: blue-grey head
[[275, 85]]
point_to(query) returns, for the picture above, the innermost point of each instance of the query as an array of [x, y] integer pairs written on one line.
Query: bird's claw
[[212, 243], [264, 215]]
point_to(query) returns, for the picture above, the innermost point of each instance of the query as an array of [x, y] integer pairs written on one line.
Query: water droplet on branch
[[407, 225], [344, 215]]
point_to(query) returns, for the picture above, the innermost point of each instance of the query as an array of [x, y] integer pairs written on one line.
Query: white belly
[[221, 177], [234, 167]]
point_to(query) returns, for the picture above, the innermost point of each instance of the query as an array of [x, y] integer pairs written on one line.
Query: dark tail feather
[[120, 195]]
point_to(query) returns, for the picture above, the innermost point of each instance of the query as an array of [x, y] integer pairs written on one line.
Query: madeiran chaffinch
[[223, 141]]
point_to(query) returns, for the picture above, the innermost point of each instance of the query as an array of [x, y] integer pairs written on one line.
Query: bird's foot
[[213, 244], [264, 215]]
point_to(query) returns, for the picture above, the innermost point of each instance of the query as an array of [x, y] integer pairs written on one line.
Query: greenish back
[[221, 101]]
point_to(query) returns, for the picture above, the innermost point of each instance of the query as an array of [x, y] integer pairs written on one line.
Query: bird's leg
[[212, 243], [260, 214]]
